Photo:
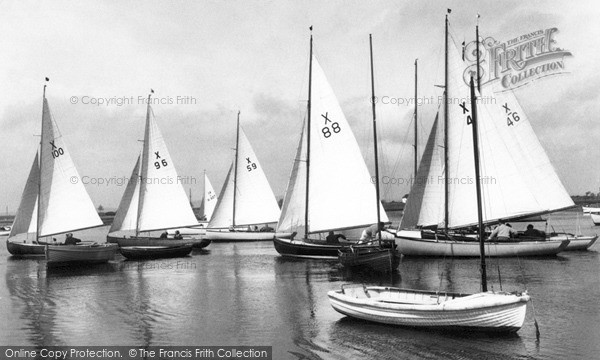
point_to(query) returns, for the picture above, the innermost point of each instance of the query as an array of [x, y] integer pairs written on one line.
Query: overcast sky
[[252, 56]]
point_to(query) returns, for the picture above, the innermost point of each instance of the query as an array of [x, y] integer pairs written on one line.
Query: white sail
[[26, 218], [530, 157], [507, 191], [255, 202], [126, 216], [163, 202], [222, 216], [341, 192], [64, 203], [209, 201], [425, 205], [293, 208]]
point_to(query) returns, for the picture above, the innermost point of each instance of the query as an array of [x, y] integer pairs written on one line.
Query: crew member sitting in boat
[[70, 240], [370, 233], [502, 232], [334, 239], [177, 235], [164, 235], [266, 228], [531, 232]]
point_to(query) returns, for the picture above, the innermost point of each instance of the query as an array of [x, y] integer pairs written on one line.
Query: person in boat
[[70, 240], [532, 232], [370, 233], [502, 232], [231, 228], [164, 235], [266, 228], [177, 235], [334, 239], [256, 228]]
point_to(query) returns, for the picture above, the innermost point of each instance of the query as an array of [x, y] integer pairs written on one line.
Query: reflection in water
[[32, 302], [246, 294]]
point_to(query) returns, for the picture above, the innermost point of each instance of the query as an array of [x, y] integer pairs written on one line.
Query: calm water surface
[[246, 294]]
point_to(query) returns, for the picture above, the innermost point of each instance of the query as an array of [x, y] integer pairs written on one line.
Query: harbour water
[[246, 294]]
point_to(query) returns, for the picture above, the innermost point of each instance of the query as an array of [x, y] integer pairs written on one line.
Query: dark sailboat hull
[[304, 249], [154, 241], [372, 258], [155, 252]]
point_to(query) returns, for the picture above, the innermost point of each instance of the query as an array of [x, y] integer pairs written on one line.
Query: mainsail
[[64, 203], [341, 192], [255, 202], [154, 198], [518, 178], [26, 219], [209, 200]]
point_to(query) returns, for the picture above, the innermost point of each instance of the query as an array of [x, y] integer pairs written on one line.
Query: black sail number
[[329, 129]]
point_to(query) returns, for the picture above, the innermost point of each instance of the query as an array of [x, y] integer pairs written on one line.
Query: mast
[[416, 152], [143, 165], [446, 128], [478, 187], [306, 227], [477, 42], [375, 140], [237, 143], [39, 197]]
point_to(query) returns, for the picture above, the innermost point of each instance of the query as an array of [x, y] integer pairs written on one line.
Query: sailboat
[[207, 207], [595, 217], [483, 311], [5, 230], [522, 182], [154, 199], [329, 188], [52, 204], [377, 256], [246, 200], [209, 200]]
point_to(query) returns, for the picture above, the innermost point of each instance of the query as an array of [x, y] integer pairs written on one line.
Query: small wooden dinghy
[[155, 252], [485, 311], [370, 257], [60, 255]]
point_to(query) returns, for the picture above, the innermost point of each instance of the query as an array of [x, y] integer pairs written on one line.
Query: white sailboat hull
[[222, 236], [410, 243], [70, 254], [588, 210], [595, 217], [576, 242], [489, 311]]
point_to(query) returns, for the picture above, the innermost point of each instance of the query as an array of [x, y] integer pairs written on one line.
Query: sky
[[207, 60]]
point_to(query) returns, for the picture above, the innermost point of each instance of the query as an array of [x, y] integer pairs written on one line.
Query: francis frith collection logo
[[518, 61]]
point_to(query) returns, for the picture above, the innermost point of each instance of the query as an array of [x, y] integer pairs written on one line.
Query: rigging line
[[537, 328]]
